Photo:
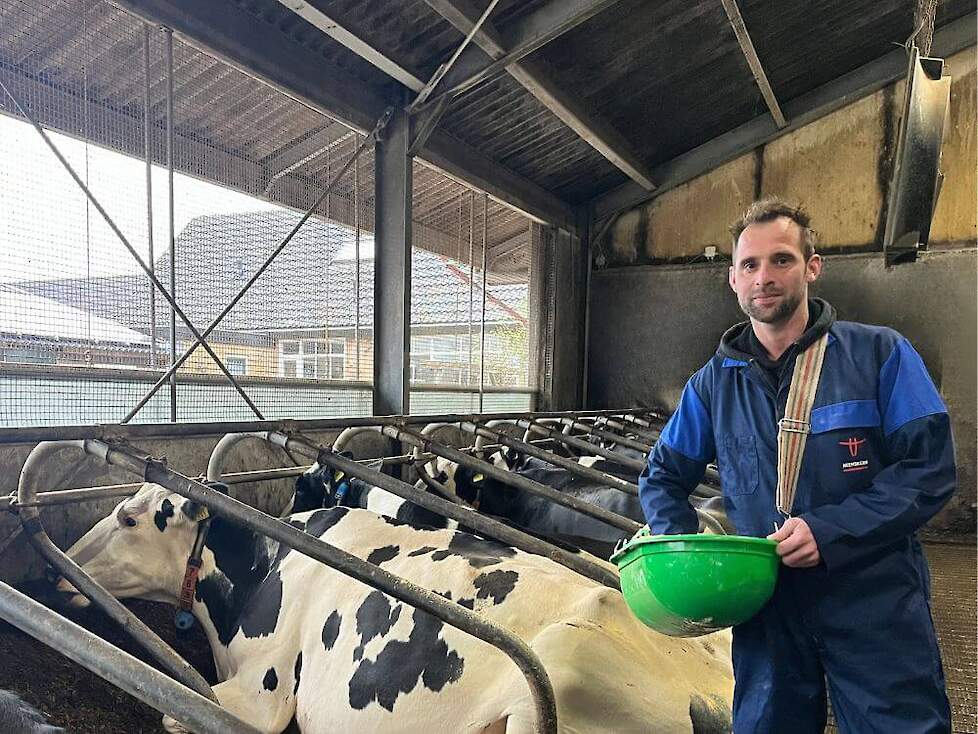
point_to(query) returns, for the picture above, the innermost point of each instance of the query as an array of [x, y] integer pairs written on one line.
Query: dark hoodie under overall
[[879, 463]]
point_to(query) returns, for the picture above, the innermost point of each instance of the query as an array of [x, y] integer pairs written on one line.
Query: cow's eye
[[130, 522]]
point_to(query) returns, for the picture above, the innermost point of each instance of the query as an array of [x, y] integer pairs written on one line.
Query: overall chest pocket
[[737, 459]]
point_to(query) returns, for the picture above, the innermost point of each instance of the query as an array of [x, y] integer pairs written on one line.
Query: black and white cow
[[294, 638], [545, 518], [322, 486], [19, 717]]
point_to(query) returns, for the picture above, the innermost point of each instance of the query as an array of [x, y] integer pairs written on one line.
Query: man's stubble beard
[[782, 313]]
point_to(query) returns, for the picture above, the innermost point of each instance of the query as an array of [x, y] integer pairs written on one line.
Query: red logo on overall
[[853, 445]]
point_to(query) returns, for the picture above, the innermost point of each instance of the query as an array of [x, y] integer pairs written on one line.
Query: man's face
[[769, 273]]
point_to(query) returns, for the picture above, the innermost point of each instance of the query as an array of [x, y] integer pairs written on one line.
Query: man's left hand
[[796, 544]]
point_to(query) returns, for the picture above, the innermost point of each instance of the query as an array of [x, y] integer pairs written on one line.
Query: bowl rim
[[742, 541]]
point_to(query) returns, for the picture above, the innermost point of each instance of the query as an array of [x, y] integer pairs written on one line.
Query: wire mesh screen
[[470, 300], [84, 334]]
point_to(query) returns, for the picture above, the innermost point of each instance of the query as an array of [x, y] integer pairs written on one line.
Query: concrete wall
[[653, 326], [838, 167], [653, 323]]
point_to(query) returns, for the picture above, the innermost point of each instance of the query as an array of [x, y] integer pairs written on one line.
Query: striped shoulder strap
[[794, 428]]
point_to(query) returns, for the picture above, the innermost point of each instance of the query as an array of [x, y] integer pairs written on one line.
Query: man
[[851, 604]]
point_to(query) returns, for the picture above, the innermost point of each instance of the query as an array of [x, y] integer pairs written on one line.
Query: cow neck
[[234, 564], [356, 495]]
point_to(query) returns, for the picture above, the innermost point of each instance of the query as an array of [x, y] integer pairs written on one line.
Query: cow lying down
[[294, 638], [320, 486]]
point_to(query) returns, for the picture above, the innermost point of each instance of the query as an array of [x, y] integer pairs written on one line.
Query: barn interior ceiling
[[570, 104]]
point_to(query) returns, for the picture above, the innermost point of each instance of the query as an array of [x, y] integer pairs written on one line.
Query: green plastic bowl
[[691, 585]]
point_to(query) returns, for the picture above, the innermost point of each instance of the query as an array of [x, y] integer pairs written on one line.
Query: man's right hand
[[796, 544]]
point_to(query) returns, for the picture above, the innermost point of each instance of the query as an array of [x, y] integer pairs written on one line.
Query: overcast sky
[[43, 233]]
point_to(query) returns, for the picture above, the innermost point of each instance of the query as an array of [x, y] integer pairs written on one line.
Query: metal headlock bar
[[551, 458], [119, 668], [401, 589], [108, 491], [650, 436], [510, 478], [581, 445], [186, 699], [31, 522], [710, 475], [180, 703], [607, 435], [113, 431], [460, 513]]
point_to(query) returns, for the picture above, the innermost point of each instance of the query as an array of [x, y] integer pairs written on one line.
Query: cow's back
[[375, 664]]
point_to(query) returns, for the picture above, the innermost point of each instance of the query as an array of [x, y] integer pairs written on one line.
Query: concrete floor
[[953, 603]]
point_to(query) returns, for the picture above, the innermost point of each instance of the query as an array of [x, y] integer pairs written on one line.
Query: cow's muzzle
[[69, 596]]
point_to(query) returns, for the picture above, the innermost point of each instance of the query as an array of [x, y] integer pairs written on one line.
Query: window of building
[[313, 359], [30, 354], [236, 365]]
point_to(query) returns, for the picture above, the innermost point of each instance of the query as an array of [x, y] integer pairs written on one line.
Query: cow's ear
[[196, 511]]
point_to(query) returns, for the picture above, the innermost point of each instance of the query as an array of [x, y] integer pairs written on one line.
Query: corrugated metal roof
[[229, 127], [667, 76]]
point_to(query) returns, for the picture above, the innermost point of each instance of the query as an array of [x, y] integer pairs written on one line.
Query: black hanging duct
[[917, 176]]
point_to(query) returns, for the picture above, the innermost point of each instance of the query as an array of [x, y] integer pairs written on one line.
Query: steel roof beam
[[298, 150], [335, 30], [444, 68], [559, 16], [747, 46], [846, 89], [223, 29], [531, 33]]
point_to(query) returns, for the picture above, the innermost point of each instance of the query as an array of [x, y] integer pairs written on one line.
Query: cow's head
[[140, 549], [320, 486], [508, 458], [464, 483]]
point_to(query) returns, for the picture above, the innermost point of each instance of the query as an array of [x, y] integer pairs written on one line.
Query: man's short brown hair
[[770, 208]]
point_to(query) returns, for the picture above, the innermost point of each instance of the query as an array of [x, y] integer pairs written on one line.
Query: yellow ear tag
[[202, 514], [339, 476], [478, 478]]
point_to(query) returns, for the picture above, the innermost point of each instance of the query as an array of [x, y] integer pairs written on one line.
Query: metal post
[[482, 331], [392, 268], [119, 668], [401, 589], [511, 479], [468, 375], [168, 36], [356, 252], [559, 461], [147, 148], [584, 227]]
